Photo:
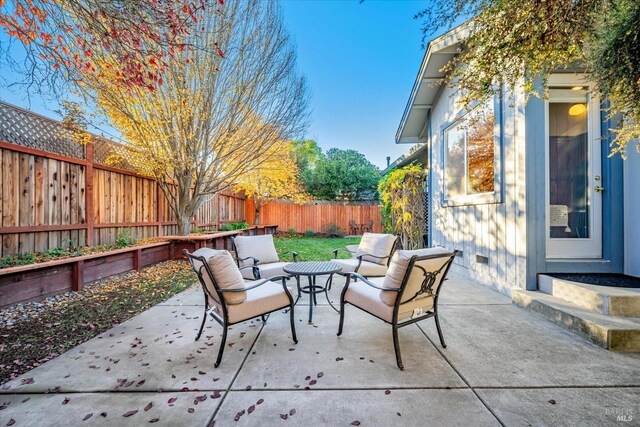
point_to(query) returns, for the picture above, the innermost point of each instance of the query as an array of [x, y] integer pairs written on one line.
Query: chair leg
[[396, 346], [292, 320], [264, 318], [439, 330], [204, 319], [341, 324], [222, 343]]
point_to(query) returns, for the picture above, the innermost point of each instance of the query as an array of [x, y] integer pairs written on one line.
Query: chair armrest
[[368, 282], [335, 252], [256, 270], [293, 253], [255, 285], [255, 260], [373, 256]]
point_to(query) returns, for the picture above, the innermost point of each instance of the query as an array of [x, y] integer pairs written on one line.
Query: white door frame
[[578, 248]]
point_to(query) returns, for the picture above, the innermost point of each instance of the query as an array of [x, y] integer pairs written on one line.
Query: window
[[470, 156]]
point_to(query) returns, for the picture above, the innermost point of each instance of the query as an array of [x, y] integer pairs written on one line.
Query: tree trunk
[[184, 225], [256, 221]]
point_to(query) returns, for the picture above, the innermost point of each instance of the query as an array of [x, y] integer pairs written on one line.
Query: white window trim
[[494, 196]]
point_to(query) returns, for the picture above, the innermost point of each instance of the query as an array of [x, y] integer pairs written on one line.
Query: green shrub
[[17, 259], [309, 233], [228, 226], [334, 230], [292, 232], [125, 237]]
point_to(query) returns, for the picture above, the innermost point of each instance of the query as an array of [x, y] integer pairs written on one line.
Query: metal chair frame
[[394, 248], [426, 287], [256, 261], [223, 319]]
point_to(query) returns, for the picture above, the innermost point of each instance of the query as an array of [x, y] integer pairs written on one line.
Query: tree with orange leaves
[[275, 178]]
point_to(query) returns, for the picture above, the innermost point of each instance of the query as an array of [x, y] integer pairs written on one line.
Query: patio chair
[[372, 255], [355, 228], [407, 294], [259, 251], [368, 226], [229, 299]]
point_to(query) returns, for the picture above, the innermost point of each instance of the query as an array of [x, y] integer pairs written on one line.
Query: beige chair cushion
[[263, 299], [368, 298], [379, 245], [367, 269], [260, 247], [353, 249], [226, 274], [398, 268], [267, 271]]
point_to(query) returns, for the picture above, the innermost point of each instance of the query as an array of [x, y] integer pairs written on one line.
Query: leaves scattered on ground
[[61, 326]]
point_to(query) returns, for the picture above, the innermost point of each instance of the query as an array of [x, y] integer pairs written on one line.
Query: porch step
[[607, 300], [613, 333]]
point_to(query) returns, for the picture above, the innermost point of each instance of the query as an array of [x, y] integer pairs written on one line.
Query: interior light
[[577, 109], [577, 88]]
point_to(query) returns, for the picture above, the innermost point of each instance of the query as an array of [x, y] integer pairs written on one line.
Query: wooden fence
[[55, 192], [316, 216]]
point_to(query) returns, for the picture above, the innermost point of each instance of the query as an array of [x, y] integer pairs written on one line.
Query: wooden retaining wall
[[316, 216], [35, 282]]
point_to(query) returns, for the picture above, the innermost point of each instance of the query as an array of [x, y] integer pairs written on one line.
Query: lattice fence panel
[[120, 156], [25, 128]]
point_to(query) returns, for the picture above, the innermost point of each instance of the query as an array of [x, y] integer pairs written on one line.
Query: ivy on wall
[[403, 213]]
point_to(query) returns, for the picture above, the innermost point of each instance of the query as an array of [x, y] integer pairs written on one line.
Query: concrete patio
[[503, 365]]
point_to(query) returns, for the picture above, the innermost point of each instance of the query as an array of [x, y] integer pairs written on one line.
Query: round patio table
[[311, 269]]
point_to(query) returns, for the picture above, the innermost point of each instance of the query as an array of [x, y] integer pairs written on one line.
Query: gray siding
[[497, 230]]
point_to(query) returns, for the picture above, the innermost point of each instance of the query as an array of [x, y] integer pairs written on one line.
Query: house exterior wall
[[497, 231], [632, 212]]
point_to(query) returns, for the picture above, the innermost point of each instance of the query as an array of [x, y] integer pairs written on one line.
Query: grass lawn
[[314, 248]]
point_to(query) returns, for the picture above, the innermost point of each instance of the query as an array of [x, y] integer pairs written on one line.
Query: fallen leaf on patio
[[399, 414], [307, 378], [248, 388], [191, 410], [140, 383], [339, 359], [11, 422], [553, 402], [86, 417], [251, 409], [320, 374], [149, 406], [130, 413], [172, 400], [201, 398], [216, 394], [284, 416], [259, 402], [103, 414], [154, 420], [65, 401], [355, 423], [312, 382], [27, 381], [387, 392], [292, 412], [202, 372]]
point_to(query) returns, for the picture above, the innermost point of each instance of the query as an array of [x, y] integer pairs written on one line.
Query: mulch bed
[[32, 334]]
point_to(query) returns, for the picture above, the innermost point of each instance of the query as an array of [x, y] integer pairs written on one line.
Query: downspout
[[429, 182]]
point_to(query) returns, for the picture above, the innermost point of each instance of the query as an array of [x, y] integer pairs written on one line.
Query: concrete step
[[615, 333], [599, 299]]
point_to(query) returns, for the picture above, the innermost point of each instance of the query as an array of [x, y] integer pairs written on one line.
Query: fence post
[[159, 210], [88, 194]]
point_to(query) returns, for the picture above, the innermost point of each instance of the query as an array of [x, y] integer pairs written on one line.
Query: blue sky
[[360, 60]]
